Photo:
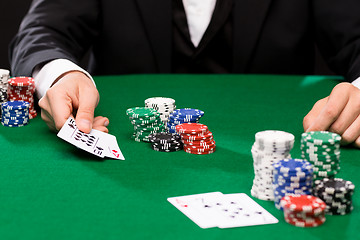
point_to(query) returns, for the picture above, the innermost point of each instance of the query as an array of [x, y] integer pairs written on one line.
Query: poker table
[[49, 189]]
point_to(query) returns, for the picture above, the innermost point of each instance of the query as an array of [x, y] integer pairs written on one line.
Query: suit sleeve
[[54, 29], [337, 33]]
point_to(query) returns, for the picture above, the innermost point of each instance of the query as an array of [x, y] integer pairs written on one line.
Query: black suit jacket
[[135, 36]]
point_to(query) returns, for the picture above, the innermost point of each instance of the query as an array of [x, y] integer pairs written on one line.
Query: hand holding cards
[[96, 142], [222, 210]]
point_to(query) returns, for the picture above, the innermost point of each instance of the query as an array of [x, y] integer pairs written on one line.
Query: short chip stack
[[270, 147], [4, 76], [22, 89], [322, 149], [197, 138], [15, 113], [303, 210], [183, 115], [336, 193], [291, 176], [145, 121], [164, 106], [165, 142]]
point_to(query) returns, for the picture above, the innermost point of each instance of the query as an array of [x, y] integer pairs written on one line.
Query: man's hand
[[73, 94], [339, 113]]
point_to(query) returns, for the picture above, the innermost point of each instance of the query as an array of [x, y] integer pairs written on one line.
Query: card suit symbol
[[181, 204], [116, 154]]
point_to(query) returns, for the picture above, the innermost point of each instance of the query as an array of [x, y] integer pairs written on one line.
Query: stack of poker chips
[[15, 113], [164, 106], [303, 210], [145, 121], [22, 89], [197, 138], [165, 142], [336, 193], [4, 76], [291, 176], [269, 147], [322, 149], [183, 115]]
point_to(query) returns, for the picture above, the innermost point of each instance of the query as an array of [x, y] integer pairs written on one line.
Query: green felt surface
[[51, 190]]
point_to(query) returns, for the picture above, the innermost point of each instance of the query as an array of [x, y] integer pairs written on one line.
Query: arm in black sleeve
[[54, 29], [337, 32]]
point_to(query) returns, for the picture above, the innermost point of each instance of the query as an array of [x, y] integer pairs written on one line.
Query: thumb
[[88, 100]]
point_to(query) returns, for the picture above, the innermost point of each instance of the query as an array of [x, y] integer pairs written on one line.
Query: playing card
[[96, 142], [193, 207], [222, 210], [238, 210]]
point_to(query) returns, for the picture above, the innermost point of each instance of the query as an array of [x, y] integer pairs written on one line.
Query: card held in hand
[[96, 142]]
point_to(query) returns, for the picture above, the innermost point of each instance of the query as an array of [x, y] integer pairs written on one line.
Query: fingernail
[[106, 123]]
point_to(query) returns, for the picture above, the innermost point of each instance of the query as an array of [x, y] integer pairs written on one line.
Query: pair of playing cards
[[96, 142], [215, 209]]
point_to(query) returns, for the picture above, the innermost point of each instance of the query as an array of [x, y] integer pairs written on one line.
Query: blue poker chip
[[293, 167], [188, 113], [14, 125], [15, 105]]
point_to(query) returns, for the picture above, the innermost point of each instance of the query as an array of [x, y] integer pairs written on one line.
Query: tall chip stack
[[336, 193], [197, 138], [145, 121], [183, 115], [291, 176], [270, 146], [4, 77], [303, 210], [322, 150], [23, 89], [164, 106]]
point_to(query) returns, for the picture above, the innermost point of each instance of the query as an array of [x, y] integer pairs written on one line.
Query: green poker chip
[[141, 112]]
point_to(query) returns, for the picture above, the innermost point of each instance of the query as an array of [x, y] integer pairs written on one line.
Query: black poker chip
[[336, 193], [164, 137]]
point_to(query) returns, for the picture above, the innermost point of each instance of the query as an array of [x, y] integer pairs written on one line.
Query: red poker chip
[[21, 81], [303, 214], [191, 128], [200, 149], [308, 222], [199, 153], [303, 203], [198, 137], [200, 145]]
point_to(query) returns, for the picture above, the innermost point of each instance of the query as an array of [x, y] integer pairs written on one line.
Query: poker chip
[[336, 193], [165, 142], [183, 115], [270, 146], [4, 77], [322, 150], [303, 210], [163, 105], [22, 89], [15, 113], [145, 121], [197, 138], [291, 176]]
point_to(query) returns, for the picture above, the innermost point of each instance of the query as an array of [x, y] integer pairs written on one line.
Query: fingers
[[339, 113], [100, 123], [88, 100], [74, 92], [330, 112]]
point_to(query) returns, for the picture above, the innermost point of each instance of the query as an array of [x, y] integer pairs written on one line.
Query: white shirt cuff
[[356, 83], [45, 76]]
